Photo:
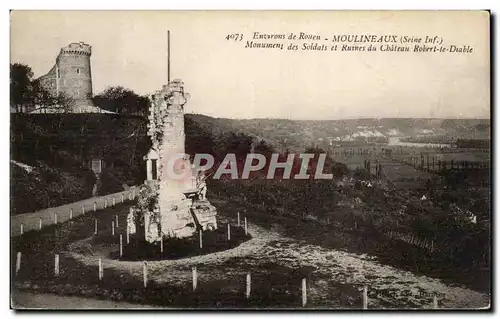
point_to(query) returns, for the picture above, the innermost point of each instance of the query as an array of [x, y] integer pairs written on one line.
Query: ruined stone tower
[[172, 202], [72, 75]]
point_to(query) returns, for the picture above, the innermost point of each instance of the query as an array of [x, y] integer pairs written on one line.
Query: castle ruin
[[71, 75], [172, 202]]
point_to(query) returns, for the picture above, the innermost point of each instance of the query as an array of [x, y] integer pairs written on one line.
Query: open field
[[436, 155], [400, 174], [402, 166]]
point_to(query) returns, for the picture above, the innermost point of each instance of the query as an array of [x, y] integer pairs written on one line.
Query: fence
[[22, 223], [412, 239], [249, 280], [246, 287]]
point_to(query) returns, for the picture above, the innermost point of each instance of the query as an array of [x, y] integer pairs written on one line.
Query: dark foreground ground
[[28, 300]]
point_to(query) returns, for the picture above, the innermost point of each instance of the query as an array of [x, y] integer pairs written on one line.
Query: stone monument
[[172, 201]]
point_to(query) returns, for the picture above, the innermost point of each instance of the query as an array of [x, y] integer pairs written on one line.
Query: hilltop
[[297, 134]]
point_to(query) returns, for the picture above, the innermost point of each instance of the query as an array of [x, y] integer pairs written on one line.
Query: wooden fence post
[[18, 262], [55, 218], [123, 196], [228, 231], [128, 235], [83, 210], [248, 286], [246, 228], [95, 226], [435, 303], [145, 274], [40, 223], [71, 213], [95, 206], [101, 271], [161, 245], [113, 227], [304, 292], [116, 221], [114, 202], [121, 245], [238, 219], [56, 265], [105, 202], [365, 297], [195, 278], [22, 228]]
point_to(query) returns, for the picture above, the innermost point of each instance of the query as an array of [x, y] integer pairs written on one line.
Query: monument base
[[185, 219]]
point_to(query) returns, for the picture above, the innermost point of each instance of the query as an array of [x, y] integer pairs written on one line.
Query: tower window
[[77, 71]]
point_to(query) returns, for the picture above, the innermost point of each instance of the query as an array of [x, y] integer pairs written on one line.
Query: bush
[[46, 187], [109, 183]]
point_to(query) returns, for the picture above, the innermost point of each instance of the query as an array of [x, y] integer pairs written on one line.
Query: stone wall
[[48, 81]]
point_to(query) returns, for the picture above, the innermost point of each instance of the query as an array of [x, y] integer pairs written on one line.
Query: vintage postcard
[[332, 160]]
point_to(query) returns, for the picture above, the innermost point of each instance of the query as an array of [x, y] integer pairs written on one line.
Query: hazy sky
[[227, 80]]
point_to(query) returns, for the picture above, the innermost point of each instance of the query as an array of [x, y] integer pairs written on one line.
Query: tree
[[21, 77], [27, 93], [262, 147], [44, 100], [123, 101], [317, 151]]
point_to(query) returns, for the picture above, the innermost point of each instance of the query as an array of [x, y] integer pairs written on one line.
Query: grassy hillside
[[40, 186], [58, 148], [52, 154], [54, 151]]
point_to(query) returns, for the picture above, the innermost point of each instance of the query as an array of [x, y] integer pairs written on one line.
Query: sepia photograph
[[253, 160]]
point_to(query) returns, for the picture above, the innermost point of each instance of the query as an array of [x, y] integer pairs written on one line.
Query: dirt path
[[31, 221], [387, 286]]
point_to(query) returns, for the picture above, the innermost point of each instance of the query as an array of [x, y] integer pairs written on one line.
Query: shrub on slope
[[45, 187]]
